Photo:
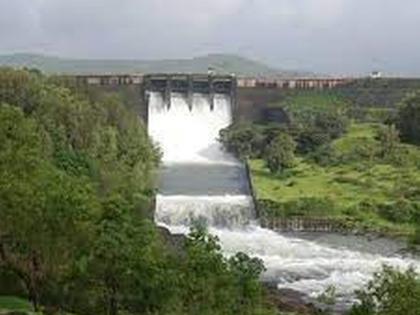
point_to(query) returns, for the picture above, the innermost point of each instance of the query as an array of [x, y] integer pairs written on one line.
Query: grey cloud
[[329, 36]]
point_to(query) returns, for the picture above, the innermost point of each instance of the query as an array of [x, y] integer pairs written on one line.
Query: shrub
[[389, 139], [280, 154], [408, 120], [310, 139], [372, 114], [401, 211], [243, 140], [390, 292], [324, 156], [305, 206], [334, 123]]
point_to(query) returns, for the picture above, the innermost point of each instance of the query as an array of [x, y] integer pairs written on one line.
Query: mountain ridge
[[221, 63]]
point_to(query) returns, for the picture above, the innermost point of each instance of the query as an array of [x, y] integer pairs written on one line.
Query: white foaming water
[[232, 211], [303, 265], [191, 137]]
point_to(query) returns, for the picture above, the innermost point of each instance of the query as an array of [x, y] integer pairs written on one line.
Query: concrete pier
[[189, 84]]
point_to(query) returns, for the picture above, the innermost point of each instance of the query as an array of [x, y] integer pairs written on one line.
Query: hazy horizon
[[323, 36]]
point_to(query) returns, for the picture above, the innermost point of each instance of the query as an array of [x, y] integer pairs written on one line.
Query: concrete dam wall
[[249, 97]]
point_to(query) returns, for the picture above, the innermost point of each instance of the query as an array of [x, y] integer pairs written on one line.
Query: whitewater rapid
[[201, 181], [303, 265]]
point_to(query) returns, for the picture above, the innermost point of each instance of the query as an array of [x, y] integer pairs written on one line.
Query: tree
[[334, 123], [121, 257], [215, 284], [390, 292], [44, 213], [280, 154], [247, 271], [20, 88], [389, 139], [243, 140], [408, 120], [208, 286], [310, 139]]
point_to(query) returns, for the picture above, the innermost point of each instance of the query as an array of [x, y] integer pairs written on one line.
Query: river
[[200, 181]]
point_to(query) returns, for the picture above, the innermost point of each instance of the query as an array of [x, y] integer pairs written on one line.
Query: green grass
[[347, 184], [312, 99], [12, 303], [358, 134]]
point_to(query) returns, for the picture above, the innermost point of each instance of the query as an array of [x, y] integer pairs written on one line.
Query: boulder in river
[[287, 300]]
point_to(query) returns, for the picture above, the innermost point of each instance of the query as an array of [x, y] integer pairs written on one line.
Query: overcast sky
[[329, 36]]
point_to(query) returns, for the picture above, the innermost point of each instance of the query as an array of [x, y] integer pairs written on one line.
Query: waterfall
[[226, 211], [201, 181], [189, 135]]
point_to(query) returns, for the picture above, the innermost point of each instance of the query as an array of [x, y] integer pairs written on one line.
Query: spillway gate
[[188, 84]]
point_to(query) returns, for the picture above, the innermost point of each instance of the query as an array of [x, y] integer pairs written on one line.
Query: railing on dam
[[294, 83], [204, 83]]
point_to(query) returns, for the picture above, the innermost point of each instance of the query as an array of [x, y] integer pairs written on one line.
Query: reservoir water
[[200, 181]]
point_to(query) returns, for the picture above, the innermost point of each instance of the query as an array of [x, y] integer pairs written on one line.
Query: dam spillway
[[189, 85], [200, 181], [188, 134]]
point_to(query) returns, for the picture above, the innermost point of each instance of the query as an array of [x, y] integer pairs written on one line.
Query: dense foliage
[[76, 196], [280, 153], [390, 292], [409, 119], [309, 127], [244, 140]]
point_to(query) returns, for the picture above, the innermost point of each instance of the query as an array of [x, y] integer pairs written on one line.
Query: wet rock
[[287, 300], [175, 242]]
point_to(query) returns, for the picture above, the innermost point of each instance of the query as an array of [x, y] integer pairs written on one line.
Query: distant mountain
[[223, 64]]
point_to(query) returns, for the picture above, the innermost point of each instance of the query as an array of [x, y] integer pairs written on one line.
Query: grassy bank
[[14, 304], [356, 187]]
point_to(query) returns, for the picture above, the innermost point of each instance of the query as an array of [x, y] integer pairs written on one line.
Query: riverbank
[[352, 193]]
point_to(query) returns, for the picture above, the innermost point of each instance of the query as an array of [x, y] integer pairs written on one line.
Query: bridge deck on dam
[[181, 81]]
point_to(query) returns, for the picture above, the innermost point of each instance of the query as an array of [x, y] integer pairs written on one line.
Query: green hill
[[224, 64]]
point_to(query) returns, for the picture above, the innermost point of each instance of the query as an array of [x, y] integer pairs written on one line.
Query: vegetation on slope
[[14, 304], [347, 98], [359, 174], [353, 185]]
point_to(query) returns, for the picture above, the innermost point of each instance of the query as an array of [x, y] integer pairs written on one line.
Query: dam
[[199, 181]]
